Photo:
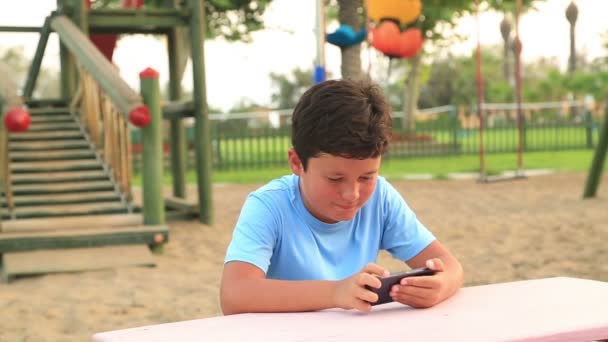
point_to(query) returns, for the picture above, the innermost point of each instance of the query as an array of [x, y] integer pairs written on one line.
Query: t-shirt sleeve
[[404, 236], [255, 234]]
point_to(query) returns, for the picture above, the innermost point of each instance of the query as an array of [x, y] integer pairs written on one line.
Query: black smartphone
[[394, 279]]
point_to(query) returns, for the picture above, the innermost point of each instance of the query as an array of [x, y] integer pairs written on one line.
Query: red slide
[[107, 42]]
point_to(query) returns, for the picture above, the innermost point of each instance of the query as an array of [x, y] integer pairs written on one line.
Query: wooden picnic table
[[550, 309]]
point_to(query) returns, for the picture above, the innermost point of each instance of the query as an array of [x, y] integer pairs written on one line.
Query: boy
[[309, 241]]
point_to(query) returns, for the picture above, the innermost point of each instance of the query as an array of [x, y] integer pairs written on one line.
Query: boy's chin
[[344, 216]]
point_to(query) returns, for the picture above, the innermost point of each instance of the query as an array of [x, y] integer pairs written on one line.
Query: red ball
[[140, 116], [17, 120], [388, 39]]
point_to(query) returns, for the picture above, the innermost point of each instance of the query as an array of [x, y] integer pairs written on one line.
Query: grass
[[439, 167]]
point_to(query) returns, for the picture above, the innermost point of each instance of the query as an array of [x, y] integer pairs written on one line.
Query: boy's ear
[[294, 162]]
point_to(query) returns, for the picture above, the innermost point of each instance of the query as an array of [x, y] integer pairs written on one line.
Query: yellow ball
[[405, 11]]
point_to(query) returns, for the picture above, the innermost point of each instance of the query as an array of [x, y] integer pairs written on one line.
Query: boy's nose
[[350, 193]]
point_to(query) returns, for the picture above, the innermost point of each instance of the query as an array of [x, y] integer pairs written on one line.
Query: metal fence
[[244, 141]]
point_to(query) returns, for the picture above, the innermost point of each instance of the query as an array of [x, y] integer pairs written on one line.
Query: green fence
[[244, 141]]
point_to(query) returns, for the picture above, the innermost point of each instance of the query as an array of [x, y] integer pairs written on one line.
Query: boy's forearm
[[269, 295]]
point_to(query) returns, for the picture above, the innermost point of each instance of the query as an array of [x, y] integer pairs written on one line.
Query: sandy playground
[[505, 231]]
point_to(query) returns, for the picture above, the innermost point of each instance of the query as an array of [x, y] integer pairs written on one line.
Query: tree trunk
[[572, 59], [410, 95], [351, 56]]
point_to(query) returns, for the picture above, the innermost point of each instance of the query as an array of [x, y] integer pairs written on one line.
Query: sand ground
[[525, 229]]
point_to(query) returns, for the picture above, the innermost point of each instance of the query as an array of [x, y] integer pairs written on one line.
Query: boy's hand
[[350, 293], [423, 291]]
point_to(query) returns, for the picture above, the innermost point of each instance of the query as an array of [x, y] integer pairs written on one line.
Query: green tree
[[231, 19], [439, 16], [287, 89], [19, 63]]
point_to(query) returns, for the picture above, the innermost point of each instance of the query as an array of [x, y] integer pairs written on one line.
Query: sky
[[236, 71]]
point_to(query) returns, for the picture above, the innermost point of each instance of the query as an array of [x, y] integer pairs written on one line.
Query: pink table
[[552, 309]]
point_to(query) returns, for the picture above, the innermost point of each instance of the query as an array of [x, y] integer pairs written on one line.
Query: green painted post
[[455, 128], [177, 135], [67, 71], [588, 128], [202, 138], [32, 75], [152, 154], [595, 173]]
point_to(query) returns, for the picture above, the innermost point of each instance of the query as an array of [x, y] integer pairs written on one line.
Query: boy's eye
[[366, 178], [334, 179]]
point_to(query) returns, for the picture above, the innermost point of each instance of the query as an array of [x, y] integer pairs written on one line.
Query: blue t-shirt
[[276, 233]]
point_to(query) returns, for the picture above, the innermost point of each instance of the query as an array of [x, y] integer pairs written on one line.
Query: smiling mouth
[[346, 208]]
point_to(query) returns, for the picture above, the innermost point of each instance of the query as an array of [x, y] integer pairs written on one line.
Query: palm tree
[[349, 14], [571, 15]]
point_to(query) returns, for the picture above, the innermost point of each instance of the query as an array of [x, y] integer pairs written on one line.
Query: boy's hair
[[344, 118]]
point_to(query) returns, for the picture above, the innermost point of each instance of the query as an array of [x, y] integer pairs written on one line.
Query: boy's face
[[334, 188]]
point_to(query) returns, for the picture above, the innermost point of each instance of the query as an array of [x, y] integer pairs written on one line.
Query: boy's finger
[[368, 296], [366, 279], [362, 305], [376, 269], [435, 264]]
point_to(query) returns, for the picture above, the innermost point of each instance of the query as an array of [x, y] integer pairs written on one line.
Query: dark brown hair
[[343, 118]]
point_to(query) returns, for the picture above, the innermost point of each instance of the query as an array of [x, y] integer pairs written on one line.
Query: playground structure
[[66, 181]]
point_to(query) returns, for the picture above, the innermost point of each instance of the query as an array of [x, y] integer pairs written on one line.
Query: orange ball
[[405, 11]]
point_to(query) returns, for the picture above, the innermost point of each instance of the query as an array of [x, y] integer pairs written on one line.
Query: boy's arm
[[245, 288], [430, 290]]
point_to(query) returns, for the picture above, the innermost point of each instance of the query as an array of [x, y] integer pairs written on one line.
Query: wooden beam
[[178, 110], [74, 238], [32, 75], [20, 29], [136, 21], [181, 204], [597, 165], [202, 136], [74, 260], [123, 97]]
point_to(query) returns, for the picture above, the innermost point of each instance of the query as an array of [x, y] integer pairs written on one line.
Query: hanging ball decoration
[[388, 39], [17, 120], [140, 116], [384, 38], [345, 36], [404, 11], [410, 43]]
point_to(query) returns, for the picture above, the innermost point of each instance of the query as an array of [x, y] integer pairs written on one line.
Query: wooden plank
[[27, 156], [46, 103], [53, 126], [48, 111], [47, 145], [39, 119], [76, 222], [68, 210], [150, 234], [63, 165], [23, 189], [181, 204], [36, 136], [75, 259], [56, 177], [65, 198]]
